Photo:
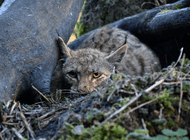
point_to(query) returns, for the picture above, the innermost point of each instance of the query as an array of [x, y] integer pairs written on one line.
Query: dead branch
[[51, 113], [40, 94], [27, 125], [181, 90], [17, 133], [122, 108]]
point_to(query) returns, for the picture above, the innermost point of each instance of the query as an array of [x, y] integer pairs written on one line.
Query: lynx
[[102, 53]]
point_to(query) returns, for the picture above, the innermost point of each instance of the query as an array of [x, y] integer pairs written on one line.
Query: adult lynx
[[101, 53]]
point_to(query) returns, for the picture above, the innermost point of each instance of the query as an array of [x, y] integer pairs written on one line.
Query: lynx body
[[101, 53]]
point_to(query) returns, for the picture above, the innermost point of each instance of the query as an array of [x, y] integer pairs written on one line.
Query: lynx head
[[85, 69]]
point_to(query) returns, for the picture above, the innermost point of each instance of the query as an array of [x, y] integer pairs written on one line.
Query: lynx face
[[84, 69]]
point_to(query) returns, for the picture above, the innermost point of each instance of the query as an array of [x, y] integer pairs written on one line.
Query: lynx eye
[[72, 74], [96, 74]]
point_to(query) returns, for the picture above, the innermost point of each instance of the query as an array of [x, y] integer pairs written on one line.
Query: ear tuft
[[118, 55], [65, 51]]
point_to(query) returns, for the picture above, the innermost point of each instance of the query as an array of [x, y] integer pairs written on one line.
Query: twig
[[51, 112], [161, 81], [1, 137], [111, 110], [181, 51], [40, 93], [122, 108], [13, 107], [8, 103], [22, 129], [141, 105], [171, 83], [125, 91], [68, 91], [46, 121], [181, 90], [180, 72], [113, 91], [187, 74], [111, 94], [125, 83], [17, 133], [160, 115], [156, 2], [155, 85], [134, 89], [47, 114], [27, 125], [5, 117], [132, 100], [148, 3], [156, 79], [6, 123], [5, 129], [144, 125]]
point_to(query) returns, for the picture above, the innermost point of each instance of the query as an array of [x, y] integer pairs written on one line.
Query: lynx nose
[[85, 84], [83, 89]]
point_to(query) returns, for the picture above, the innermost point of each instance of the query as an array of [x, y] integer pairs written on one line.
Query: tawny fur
[[100, 53]]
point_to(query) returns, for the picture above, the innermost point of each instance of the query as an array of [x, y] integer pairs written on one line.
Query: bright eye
[[96, 74], [72, 74]]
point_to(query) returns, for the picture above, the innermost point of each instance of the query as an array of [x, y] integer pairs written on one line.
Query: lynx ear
[[117, 55], [61, 62], [65, 51]]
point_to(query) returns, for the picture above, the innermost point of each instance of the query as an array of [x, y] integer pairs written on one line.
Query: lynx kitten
[[101, 53]]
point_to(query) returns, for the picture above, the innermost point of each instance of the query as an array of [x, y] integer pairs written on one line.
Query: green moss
[[118, 76], [148, 124], [94, 114], [170, 123], [160, 127], [109, 131], [165, 11], [122, 102], [167, 100], [186, 86], [89, 117], [80, 29], [106, 132], [141, 131], [179, 6]]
